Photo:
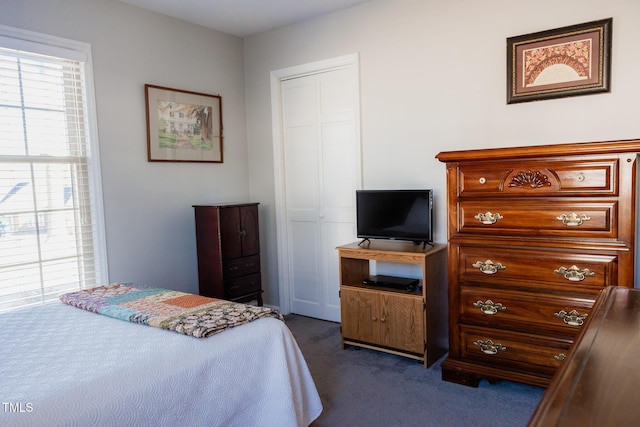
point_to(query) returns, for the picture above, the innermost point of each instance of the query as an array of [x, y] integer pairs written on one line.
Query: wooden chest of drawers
[[535, 233]]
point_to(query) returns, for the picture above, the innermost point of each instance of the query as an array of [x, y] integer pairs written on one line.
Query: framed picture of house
[[568, 61], [183, 126]]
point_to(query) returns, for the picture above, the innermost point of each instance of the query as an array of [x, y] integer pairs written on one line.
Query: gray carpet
[[361, 387]]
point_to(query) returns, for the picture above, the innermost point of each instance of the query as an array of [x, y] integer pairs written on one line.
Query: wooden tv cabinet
[[407, 323]]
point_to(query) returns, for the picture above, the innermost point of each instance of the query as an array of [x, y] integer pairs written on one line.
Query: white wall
[[149, 218], [433, 78]]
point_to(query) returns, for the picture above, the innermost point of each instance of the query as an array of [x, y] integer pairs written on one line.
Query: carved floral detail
[[529, 178]]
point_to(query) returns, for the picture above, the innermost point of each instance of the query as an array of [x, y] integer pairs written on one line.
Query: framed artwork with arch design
[[568, 61]]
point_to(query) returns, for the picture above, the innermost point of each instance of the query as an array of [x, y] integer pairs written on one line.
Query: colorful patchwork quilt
[[181, 312]]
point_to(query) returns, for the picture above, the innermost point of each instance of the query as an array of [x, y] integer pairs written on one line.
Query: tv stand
[[415, 242], [364, 240], [406, 322], [424, 244]]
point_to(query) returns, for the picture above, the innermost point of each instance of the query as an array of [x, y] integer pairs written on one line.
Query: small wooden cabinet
[[228, 244], [383, 318], [535, 233], [408, 323]]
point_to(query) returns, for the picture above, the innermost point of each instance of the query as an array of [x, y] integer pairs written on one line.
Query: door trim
[[277, 77]]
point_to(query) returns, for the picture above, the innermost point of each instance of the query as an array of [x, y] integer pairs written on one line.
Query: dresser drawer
[[538, 178], [241, 286], [530, 353], [537, 268], [241, 266], [535, 218], [525, 311]]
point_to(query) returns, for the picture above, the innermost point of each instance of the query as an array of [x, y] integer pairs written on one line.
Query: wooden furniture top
[[555, 150], [387, 250], [225, 204], [598, 383]]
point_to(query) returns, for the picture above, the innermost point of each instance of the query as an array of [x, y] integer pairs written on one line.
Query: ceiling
[[244, 17]]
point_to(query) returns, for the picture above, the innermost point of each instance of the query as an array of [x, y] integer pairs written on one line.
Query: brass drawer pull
[[574, 274], [572, 318], [489, 347], [573, 219], [489, 307], [488, 267], [488, 217], [560, 357]]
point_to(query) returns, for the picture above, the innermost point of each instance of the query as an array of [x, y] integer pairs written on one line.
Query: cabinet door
[[230, 233], [250, 232], [360, 315], [402, 322]]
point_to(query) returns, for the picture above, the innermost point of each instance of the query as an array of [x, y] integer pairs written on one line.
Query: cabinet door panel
[[402, 322], [230, 233], [359, 311], [249, 230]]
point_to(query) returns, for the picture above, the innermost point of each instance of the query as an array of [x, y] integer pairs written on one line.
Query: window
[[51, 222]]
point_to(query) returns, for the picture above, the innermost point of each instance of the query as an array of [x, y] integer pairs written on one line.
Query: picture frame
[[567, 61], [183, 126]]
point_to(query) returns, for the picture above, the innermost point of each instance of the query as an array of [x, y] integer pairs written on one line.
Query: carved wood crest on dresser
[[534, 234]]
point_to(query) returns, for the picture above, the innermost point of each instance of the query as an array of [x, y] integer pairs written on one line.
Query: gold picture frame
[[568, 61], [183, 126]]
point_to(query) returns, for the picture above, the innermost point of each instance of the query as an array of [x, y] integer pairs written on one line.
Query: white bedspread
[[62, 366]]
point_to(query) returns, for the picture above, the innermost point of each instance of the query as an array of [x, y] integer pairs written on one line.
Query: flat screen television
[[395, 214]]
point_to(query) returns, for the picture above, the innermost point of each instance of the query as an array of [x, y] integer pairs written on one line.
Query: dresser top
[[598, 383], [554, 150], [226, 205]]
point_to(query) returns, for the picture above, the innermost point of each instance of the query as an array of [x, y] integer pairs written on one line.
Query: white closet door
[[321, 174]]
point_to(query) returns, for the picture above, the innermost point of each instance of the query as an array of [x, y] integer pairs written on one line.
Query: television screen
[[395, 214]]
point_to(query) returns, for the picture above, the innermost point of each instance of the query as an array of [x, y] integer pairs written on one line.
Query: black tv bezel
[[417, 239]]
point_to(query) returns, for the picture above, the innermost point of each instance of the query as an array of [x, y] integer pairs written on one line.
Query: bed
[[62, 365]]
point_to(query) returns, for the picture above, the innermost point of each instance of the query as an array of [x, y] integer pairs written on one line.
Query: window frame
[[24, 40]]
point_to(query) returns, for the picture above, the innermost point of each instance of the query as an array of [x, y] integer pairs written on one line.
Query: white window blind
[[51, 231]]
